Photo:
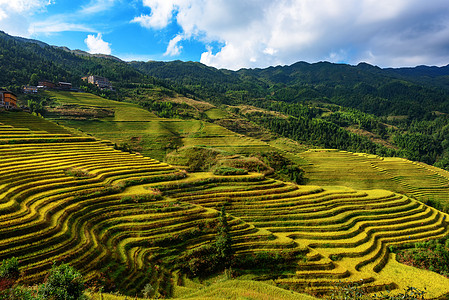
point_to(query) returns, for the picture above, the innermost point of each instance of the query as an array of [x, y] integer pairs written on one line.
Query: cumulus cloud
[[269, 32], [161, 13], [96, 45]]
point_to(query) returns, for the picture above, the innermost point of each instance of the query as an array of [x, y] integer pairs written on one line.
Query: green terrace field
[[358, 170], [150, 135], [125, 220]]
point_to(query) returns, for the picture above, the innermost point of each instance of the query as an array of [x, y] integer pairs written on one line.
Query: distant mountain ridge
[[391, 91]]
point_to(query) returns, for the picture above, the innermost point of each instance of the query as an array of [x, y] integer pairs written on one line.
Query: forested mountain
[[25, 61], [399, 112], [365, 87]]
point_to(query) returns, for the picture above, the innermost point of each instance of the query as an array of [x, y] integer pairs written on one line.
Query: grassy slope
[[150, 134]]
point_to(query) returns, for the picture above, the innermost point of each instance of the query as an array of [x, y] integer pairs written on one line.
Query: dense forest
[[392, 112]]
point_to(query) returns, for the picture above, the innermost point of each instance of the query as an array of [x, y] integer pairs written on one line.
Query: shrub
[[284, 168], [432, 255], [251, 164], [63, 283], [9, 268], [354, 290], [76, 172], [194, 158], [148, 291], [22, 293], [229, 171]]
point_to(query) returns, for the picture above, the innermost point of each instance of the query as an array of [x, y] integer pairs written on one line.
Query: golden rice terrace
[[76, 199]]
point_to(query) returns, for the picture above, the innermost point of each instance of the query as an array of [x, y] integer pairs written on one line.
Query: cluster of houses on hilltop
[[8, 99], [101, 82], [46, 84]]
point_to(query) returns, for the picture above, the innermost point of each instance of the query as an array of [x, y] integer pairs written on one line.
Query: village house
[[101, 82], [8, 99], [28, 89], [64, 85], [46, 84]]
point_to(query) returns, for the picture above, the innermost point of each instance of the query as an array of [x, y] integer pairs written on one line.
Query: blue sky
[[237, 34]]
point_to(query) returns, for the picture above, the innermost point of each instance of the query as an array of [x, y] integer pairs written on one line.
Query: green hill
[[388, 112]]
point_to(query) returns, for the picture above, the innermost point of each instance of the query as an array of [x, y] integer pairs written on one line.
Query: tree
[[34, 79], [223, 242], [9, 273], [63, 283]]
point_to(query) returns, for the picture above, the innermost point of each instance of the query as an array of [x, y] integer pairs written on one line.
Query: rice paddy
[[150, 135], [75, 199], [358, 170]]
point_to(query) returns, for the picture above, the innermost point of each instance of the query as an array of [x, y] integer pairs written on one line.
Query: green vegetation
[[430, 255], [354, 291], [229, 171], [63, 283], [223, 242], [134, 129], [9, 269]]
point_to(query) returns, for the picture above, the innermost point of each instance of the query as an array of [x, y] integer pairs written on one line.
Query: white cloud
[[96, 45], [23, 6], [54, 25], [3, 14], [173, 48], [96, 6], [266, 32], [161, 13], [14, 14]]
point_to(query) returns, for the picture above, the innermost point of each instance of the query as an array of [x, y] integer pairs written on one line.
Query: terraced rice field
[[345, 232], [76, 199], [154, 136], [49, 213], [358, 170]]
